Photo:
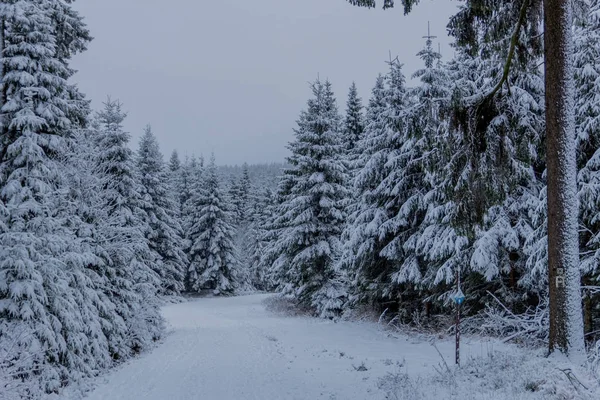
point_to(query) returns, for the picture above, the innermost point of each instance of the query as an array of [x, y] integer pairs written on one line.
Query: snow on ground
[[235, 349]]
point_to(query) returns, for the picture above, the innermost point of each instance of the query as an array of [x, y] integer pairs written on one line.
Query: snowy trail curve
[[234, 349]]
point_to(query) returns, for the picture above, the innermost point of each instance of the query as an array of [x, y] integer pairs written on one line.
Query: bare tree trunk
[[566, 320]]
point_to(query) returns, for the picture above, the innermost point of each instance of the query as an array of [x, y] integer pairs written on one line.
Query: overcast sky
[[231, 76]]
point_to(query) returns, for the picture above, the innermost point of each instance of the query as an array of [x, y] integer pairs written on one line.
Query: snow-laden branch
[[498, 320]]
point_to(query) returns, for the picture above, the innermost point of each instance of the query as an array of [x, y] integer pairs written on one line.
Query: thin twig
[[382, 315], [442, 357], [499, 302]]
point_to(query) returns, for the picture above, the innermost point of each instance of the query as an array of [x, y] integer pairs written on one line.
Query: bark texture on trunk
[[588, 317], [566, 320]]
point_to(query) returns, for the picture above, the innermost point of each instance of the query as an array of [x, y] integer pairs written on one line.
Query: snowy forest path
[[235, 349]]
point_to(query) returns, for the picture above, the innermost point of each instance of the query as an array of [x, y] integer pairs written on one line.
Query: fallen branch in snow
[[530, 326]]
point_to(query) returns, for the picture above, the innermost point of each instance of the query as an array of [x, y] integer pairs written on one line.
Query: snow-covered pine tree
[[234, 195], [190, 181], [311, 215], [412, 175], [44, 306], [174, 175], [354, 124], [244, 203], [243, 208], [259, 235], [502, 249], [165, 233], [353, 233], [197, 165], [134, 285], [373, 123], [483, 183], [501, 151], [174, 162], [86, 258], [378, 226], [212, 255], [186, 182], [183, 186], [275, 274], [354, 127]]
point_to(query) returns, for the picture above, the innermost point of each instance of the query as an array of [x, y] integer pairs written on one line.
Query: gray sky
[[231, 76]]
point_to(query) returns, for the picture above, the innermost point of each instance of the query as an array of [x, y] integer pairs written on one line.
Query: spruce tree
[[375, 233], [311, 215], [185, 184], [86, 258], [353, 234], [42, 309], [213, 262], [174, 162], [135, 282], [234, 194], [244, 203], [373, 123], [243, 208], [413, 176], [354, 125], [493, 172], [275, 274], [258, 235], [165, 233], [174, 175]]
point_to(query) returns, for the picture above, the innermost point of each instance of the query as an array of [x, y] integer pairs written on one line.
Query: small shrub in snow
[[282, 305], [400, 386], [361, 368]]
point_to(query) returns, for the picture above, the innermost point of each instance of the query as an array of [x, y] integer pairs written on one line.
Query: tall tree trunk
[[566, 320]]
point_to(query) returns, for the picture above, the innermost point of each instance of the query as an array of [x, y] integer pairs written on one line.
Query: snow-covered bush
[[497, 320]]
